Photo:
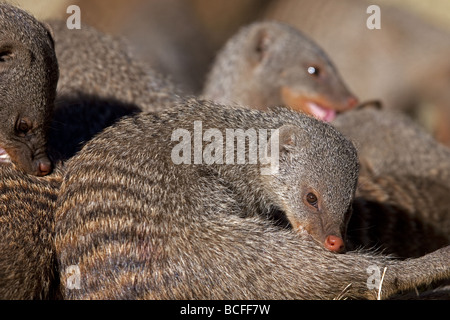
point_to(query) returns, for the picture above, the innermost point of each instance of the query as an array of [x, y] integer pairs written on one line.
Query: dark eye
[[311, 198], [23, 126], [314, 71]]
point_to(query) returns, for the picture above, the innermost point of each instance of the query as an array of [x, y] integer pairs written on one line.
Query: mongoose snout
[[319, 223], [44, 167], [328, 240], [334, 244], [320, 107], [41, 166], [22, 154]]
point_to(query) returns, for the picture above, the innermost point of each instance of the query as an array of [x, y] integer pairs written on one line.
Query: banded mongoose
[[28, 269], [136, 225], [269, 64], [28, 78]]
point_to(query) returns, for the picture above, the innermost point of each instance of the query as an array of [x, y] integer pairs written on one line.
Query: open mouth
[[317, 107], [4, 156], [320, 112]]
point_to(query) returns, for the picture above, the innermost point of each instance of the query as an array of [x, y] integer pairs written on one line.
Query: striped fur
[[27, 260], [406, 216]]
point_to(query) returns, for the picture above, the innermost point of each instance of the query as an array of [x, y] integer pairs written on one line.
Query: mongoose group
[[137, 225]]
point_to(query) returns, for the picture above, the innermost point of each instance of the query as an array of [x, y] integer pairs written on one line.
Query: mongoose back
[[96, 64], [270, 64], [389, 142], [28, 79], [136, 225], [28, 267]]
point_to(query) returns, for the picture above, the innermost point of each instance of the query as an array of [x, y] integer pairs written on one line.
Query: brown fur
[[402, 201], [101, 82], [27, 261]]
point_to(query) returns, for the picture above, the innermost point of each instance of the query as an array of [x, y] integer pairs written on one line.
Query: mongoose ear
[[287, 137], [262, 43], [284, 140], [50, 32]]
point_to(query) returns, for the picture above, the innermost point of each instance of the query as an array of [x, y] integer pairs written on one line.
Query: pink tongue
[[321, 113]]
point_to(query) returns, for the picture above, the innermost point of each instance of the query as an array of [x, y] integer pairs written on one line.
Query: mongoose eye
[[311, 198], [314, 71], [23, 126]]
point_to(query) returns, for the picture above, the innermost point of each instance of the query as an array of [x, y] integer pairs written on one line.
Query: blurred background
[[405, 64]]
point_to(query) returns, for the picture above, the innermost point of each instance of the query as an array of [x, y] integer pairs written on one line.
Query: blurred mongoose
[[28, 267], [28, 79], [389, 142], [405, 63], [96, 64], [136, 225], [269, 64]]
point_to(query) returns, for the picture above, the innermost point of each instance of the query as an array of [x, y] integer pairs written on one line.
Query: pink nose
[[334, 243], [44, 168]]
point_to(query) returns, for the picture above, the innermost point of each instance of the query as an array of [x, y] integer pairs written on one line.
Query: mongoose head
[[28, 79], [316, 181], [271, 64]]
